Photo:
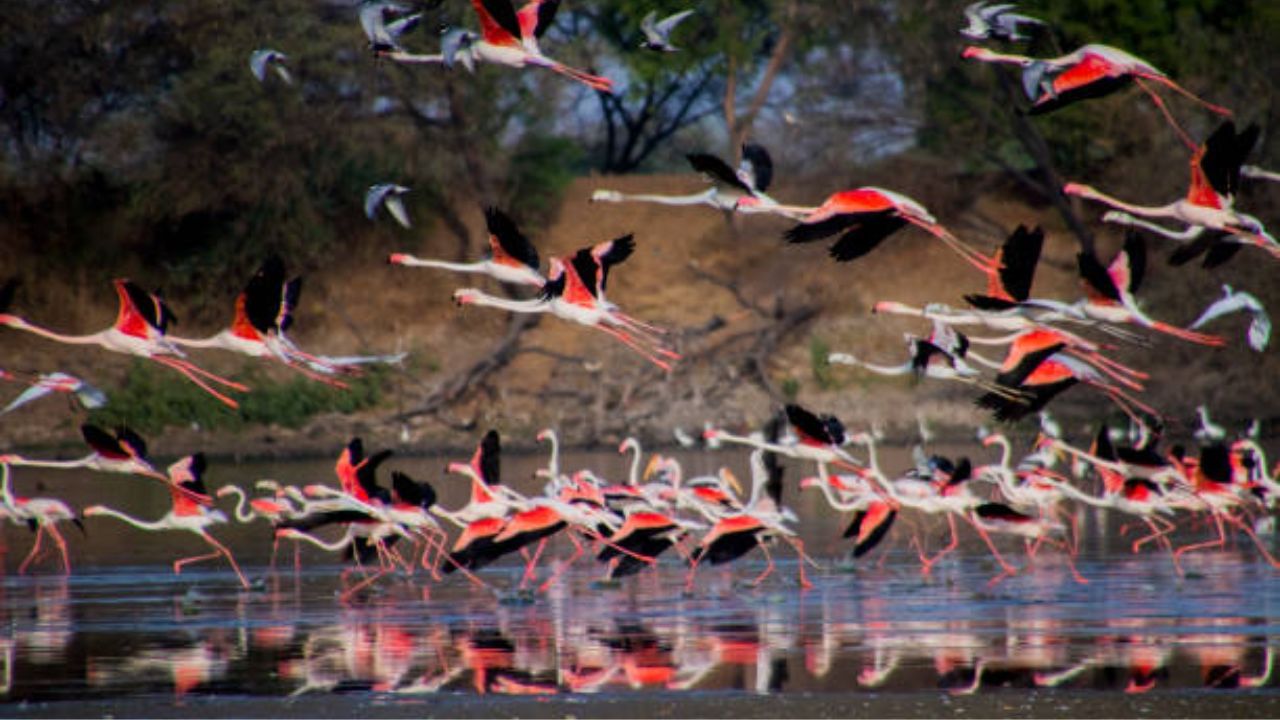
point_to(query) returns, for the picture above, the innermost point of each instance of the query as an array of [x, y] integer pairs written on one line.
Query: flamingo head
[[973, 52], [890, 306], [862, 438], [226, 490], [711, 434], [397, 259], [628, 444], [466, 296], [546, 434], [992, 439], [1078, 190]]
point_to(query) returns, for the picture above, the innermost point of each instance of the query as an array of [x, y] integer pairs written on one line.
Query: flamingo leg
[[62, 547], [801, 559], [176, 365], [227, 553], [1168, 116], [529, 573], [1217, 542], [1216, 109], [1005, 566], [630, 342], [764, 548], [1256, 540], [35, 550], [564, 566]]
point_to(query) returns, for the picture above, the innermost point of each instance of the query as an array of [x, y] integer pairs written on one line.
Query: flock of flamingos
[[1219, 493]]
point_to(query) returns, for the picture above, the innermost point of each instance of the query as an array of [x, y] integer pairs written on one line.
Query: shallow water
[[124, 627]]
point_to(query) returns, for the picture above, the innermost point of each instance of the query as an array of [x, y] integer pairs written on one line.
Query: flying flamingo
[[510, 37], [1013, 267], [186, 478], [263, 312], [124, 452], [927, 360], [139, 329], [1212, 225], [1089, 72], [39, 385], [868, 215], [1109, 291], [741, 190], [42, 514], [511, 257], [575, 291]]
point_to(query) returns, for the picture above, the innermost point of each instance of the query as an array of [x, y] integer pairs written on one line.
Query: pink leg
[[801, 559], [1159, 101], [203, 385], [1215, 543], [227, 553], [62, 547], [768, 567], [529, 573], [35, 550], [577, 553]]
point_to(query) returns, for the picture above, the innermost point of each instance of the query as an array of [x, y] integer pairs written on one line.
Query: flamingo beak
[[655, 462], [731, 479]]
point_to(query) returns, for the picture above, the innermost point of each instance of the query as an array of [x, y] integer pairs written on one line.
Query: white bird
[[1049, 426], [1208, 432], [1239, 301], [259, 60], [457, 47], [682, 437], [384, 36], [387, 194], [995, 22], [657, 34], [89, 396]]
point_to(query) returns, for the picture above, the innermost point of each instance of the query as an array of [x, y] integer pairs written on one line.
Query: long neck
[[633, 478], [411, 261], [6, 490], [694, 199], [524, 306], [1075, 493], [21, 324], [217, 340], [59, 464], [553, 463], [824, 484], [885, 369], [1144, 210], [333, 546], [242, 515], [1006, 450], [873, 460], [161, 524]]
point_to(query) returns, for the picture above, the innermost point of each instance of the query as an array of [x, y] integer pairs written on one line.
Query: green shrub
[[153, 398]]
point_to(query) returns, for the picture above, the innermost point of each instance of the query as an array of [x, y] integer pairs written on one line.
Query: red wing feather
[[498, 21]]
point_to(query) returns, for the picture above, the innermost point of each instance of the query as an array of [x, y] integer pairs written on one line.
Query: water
[[124, 627]]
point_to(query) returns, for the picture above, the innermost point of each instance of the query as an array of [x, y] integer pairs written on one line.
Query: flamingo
[[1013, 267], [384, 22], [761, 520], [273, 510], [1109, 291], [1212, 226], [41, 514], [39, 385], [122, 452], [927, 360], [263, 312], [1090, 71], [510, 37], [1232, 301], [186, 479], [996, 22], [657, 33], [261, 59], [868, 215], [741, 190], [1254, 172], [511, 257], [575, 291], [139, 329]]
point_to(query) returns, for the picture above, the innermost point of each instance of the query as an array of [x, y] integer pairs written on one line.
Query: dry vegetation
[[750, 315]]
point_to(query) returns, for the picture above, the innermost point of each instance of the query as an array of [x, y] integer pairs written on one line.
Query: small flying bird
[[1239, 301], [657, 34], [89, 396], [384, 22], [261, 59], [1208, 432], [456, 47], [387, 194], [996, 22]]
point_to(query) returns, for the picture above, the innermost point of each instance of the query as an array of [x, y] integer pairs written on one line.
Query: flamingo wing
[[411, 492], [1092, 77], [822, 430], [140, 309], [756, 164], [499, 24], [870, 526], [613, 252], [507, 244], [866, 234], [1096, 278], [1222, 155], [7, 292], [132, 443], [1018, 259], [718, 170], [103, 442], [488, 458], [537, 16], [263, 294]]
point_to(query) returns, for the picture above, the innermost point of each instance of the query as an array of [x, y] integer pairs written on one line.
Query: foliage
[[152, 398]]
